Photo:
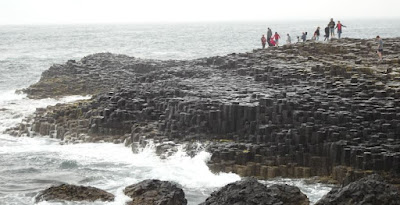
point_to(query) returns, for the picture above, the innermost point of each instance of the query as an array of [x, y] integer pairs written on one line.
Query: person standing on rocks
[[269, 35], [332, 27], [339, 28], [316, 34], [380, 47], [288, 39], [277, 37], [304, 36], [263, 41], [326, 33]]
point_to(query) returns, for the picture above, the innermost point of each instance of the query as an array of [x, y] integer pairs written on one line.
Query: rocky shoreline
[[312, 109], [248, 191]]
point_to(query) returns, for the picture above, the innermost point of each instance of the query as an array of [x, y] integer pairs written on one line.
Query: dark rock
[[66, 192], [289, 195], [250, 192], [155, 192], [371, 190]]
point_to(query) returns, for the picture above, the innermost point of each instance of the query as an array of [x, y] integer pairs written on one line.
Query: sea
[[29, 165]]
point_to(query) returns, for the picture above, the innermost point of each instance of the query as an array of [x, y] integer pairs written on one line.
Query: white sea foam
[[314, 191], [114, 167], [192, 173], [15, 107]]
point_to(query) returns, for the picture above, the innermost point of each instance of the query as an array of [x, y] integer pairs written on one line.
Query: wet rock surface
[[155, 192], [288, 195], [371, 190], [250, 192], [312, 109], [67, 192]]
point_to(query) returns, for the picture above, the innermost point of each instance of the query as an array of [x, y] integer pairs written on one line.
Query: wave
[[15, 107]]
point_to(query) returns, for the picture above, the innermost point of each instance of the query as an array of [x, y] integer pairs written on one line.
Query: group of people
[[330, 29], [273, 39]]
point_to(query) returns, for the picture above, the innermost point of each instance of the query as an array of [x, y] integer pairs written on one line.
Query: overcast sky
[[136, 11]]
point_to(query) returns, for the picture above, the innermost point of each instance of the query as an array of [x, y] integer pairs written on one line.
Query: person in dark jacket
[[332, 27], [326, 33], [269, 35], [316, 34]]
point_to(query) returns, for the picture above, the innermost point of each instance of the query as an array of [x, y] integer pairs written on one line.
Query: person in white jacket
[[288, 39]]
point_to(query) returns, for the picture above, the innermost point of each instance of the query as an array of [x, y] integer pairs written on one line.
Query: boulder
[[251, 192], [371, 190], [67, 192], [155, 192], [289, 195]]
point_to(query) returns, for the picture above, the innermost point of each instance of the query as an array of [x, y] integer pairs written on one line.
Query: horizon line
[[186, 22]]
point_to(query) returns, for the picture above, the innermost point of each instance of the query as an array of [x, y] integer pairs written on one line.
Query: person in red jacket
[[277, 37], [272, 41], [263, 41], [339, 27]]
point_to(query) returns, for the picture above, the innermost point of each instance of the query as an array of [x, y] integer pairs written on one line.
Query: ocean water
[[28, 165]]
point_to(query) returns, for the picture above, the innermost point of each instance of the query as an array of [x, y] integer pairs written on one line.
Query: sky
[[145, 11]]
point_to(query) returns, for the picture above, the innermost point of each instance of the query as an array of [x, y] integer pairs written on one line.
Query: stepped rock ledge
[[312, 109]]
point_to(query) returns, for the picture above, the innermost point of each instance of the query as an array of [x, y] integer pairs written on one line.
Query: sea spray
[[16, 107], [113, 166]]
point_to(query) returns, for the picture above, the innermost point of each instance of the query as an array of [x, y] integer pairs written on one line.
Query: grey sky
[[135, 11]]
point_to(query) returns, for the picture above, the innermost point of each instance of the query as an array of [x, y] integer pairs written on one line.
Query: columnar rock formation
[[312, 109]]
